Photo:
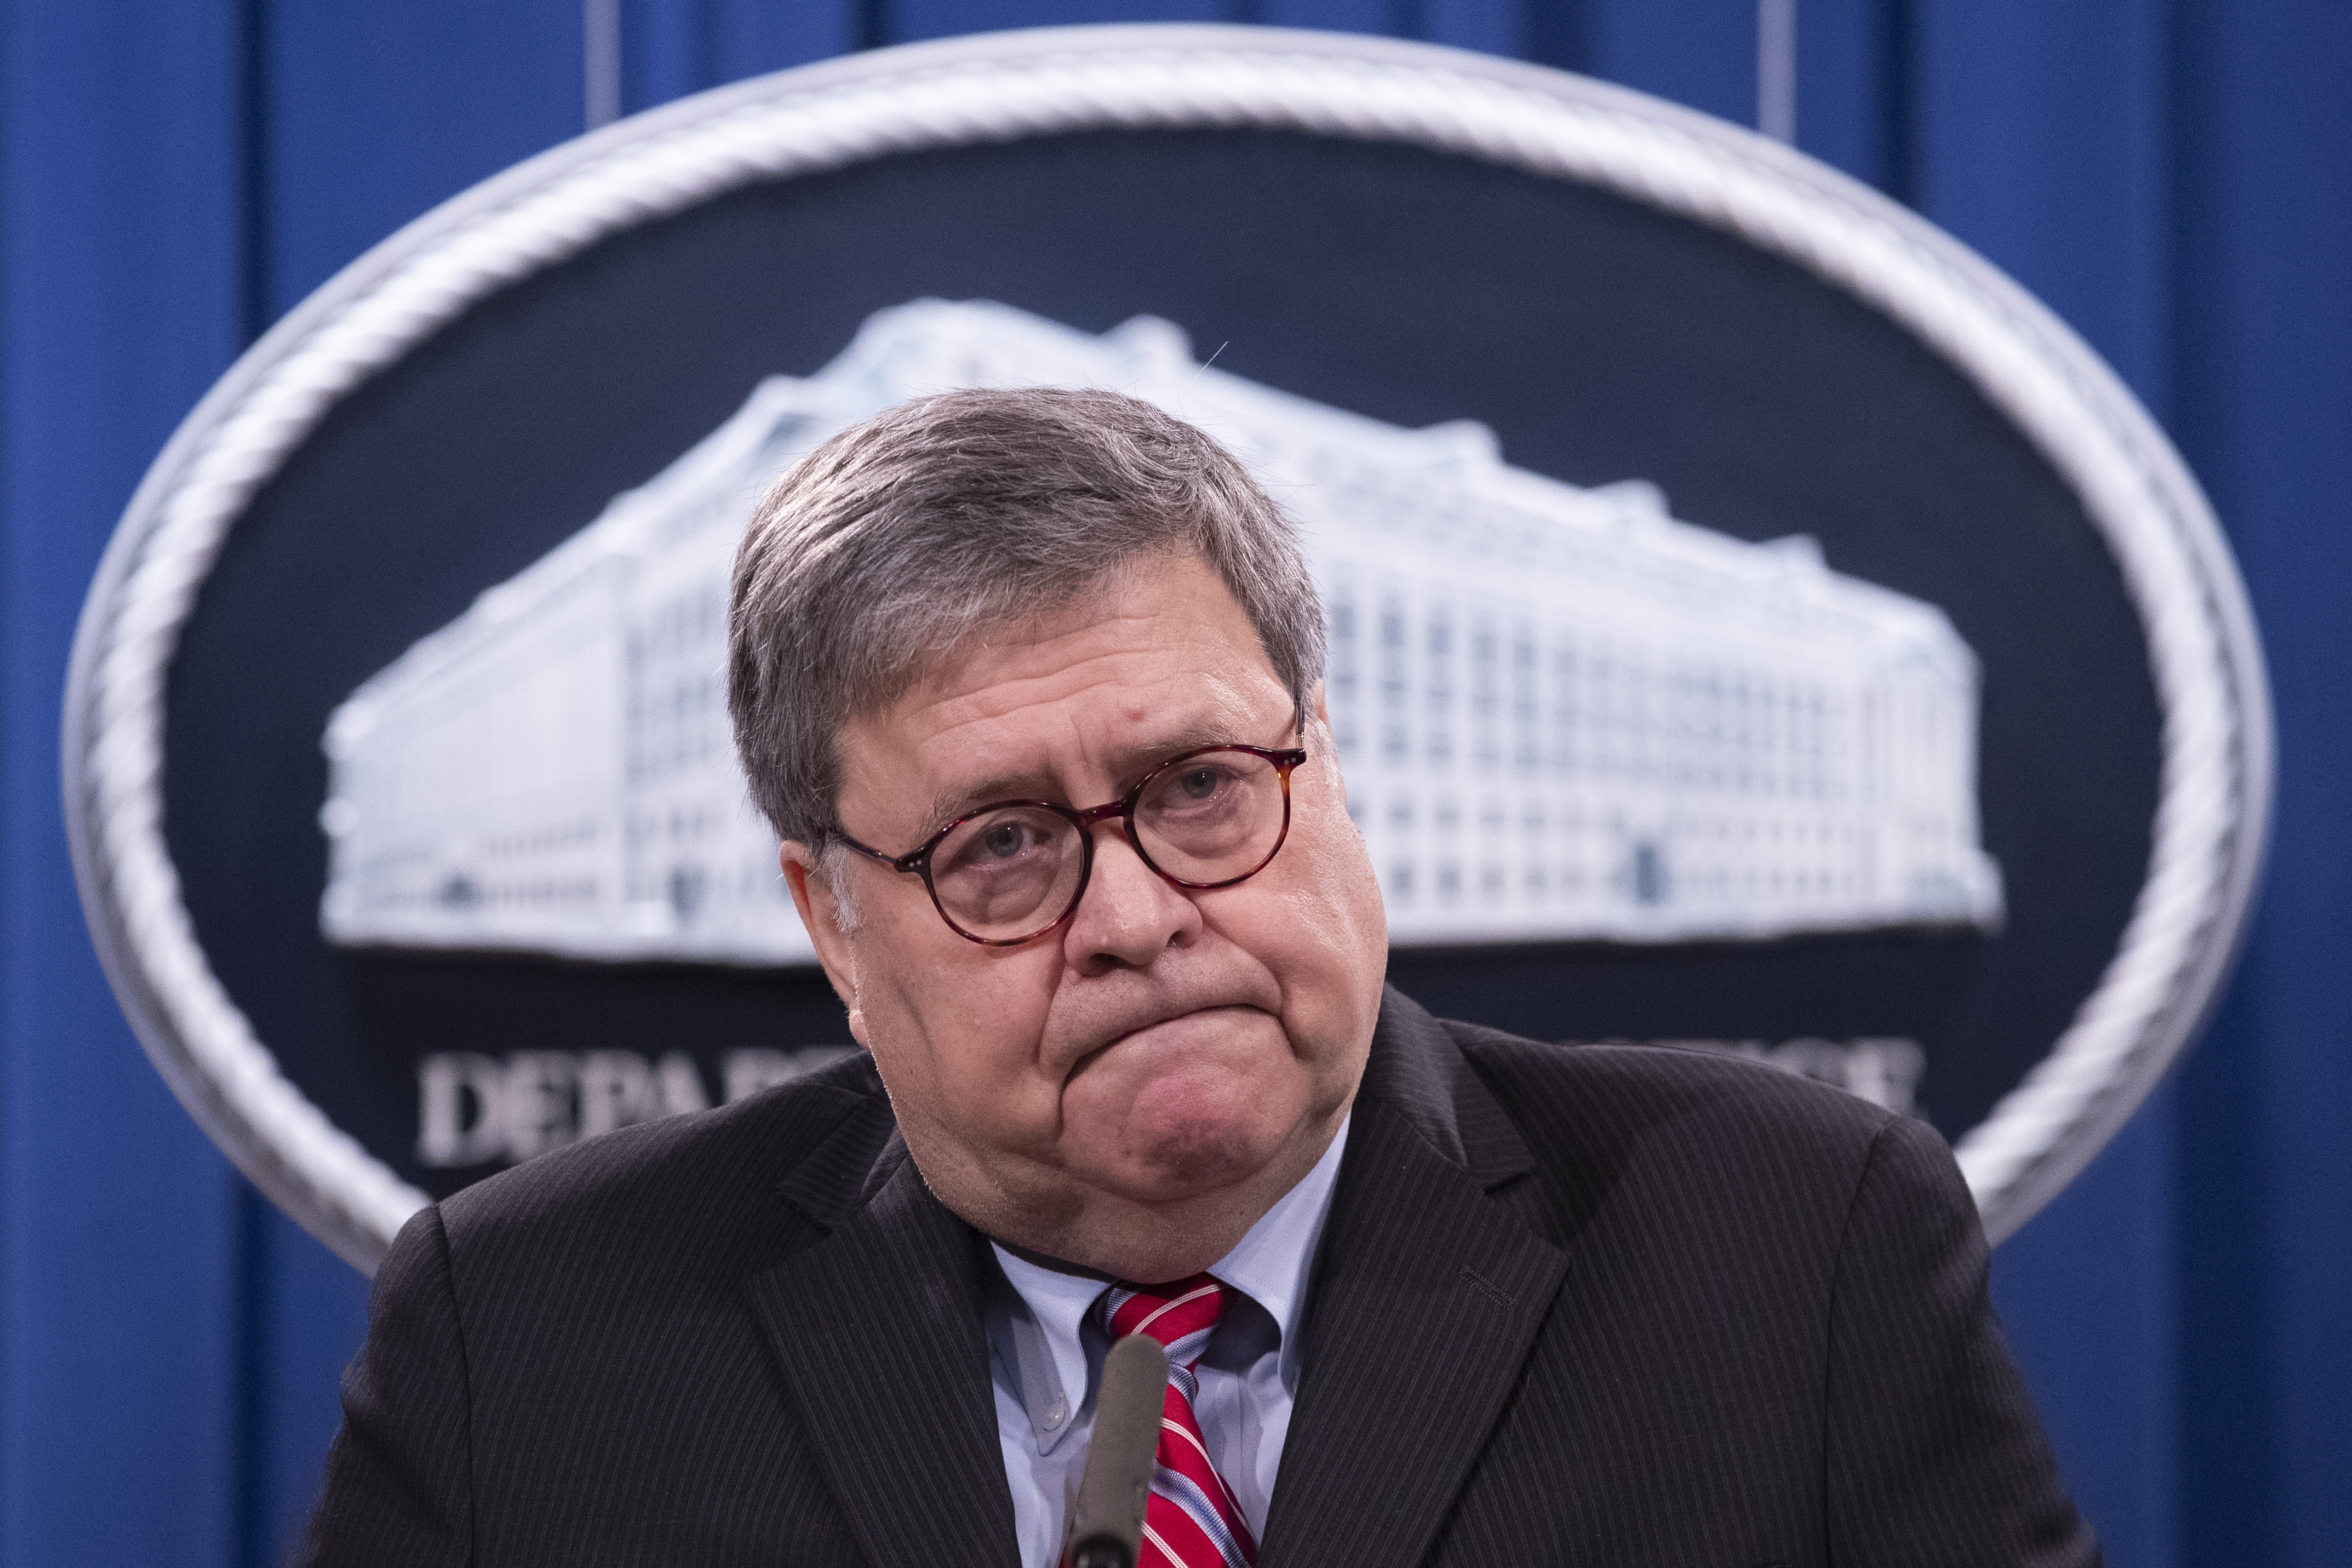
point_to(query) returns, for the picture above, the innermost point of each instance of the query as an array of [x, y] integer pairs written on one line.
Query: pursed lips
[[1156, 1020]]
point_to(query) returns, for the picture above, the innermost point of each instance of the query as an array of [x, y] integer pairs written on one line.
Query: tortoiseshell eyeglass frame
[[917, 862]]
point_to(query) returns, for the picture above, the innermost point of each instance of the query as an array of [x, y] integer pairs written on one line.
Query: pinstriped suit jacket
[[1612, 1305]]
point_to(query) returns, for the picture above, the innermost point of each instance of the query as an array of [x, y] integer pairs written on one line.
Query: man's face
[[1136, 1084]]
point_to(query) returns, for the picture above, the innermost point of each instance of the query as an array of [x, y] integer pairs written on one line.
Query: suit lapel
[[877, 1332], [1427, 1295]]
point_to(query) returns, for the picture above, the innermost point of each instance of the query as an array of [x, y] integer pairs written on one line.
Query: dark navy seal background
[[1601, 340], [2167, 176]]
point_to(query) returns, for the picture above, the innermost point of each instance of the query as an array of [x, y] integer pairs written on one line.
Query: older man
[[1028, 684]]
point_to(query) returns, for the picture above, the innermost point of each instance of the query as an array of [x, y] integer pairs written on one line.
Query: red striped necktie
[[1193, 1519]]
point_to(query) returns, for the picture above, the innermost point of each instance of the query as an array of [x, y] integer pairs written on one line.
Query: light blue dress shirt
[[1042, 1345]]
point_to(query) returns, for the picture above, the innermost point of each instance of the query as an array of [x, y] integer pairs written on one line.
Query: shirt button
[[1057, 1413]]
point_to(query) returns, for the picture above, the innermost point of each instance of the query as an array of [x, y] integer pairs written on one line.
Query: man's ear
[[1318, 719], [812, 896]]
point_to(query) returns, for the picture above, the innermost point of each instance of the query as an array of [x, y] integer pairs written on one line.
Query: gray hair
[[897, 538]]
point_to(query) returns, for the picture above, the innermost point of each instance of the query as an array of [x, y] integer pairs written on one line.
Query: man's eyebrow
[[1130, 764], [951, 805]]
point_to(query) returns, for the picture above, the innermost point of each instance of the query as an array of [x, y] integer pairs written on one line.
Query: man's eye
[[1201, 784], [1003, 840]]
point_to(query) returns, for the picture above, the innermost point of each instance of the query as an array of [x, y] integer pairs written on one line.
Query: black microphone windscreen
[[1107, 1527]]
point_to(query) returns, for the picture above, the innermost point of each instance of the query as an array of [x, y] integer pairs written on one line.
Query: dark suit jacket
[[1574, 1304]]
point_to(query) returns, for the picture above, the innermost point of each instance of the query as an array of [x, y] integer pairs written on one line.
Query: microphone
[[1106, 1529]]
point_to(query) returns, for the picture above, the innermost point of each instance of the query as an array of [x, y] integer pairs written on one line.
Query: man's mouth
[[1157, 1021]]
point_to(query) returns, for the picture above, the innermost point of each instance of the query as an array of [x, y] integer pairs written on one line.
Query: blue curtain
[[2169, 174]]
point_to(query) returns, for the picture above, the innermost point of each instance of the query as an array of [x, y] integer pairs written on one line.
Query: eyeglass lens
[[1011, 872]]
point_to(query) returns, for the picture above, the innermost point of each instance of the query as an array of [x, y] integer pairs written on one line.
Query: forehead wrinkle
[[983, 697], [985, 693]]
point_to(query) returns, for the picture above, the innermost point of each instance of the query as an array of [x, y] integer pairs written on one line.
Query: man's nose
[[1129, 914]]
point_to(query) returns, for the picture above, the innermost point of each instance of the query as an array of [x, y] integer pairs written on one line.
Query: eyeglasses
[[1009, 873]]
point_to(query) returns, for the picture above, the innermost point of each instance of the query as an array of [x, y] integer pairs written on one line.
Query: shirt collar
[[1038, 1334], [1270, 1265], [1038, 1337]]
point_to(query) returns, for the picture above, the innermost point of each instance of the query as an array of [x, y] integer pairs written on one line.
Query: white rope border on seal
[[2208, 832]]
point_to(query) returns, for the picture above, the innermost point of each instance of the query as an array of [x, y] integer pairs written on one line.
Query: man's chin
[[1176, 1164]]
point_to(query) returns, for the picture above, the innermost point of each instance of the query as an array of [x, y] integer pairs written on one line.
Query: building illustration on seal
[[1563, 714]]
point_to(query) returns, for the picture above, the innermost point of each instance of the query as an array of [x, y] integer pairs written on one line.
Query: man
[[1028, 683]]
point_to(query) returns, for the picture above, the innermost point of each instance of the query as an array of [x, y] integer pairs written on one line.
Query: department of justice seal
[[1755, 621]]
